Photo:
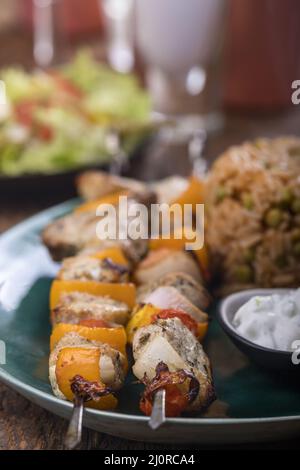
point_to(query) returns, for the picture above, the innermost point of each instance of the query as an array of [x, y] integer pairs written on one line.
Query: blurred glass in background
[[180, 44], [56, 23], [45, 26], [175, 43], [120, 33]]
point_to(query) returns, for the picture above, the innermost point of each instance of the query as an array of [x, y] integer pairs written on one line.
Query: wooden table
[[26, 426]]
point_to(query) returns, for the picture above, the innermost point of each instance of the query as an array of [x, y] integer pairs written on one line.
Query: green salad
[[58, 120]]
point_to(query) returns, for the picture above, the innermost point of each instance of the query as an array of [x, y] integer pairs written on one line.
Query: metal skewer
[[158, 415], [196, 146], [74, 433], [118, 155]]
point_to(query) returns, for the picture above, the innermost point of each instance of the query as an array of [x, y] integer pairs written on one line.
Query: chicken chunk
[[78, 306], [163, 261], [110, 368], [167, 297], [172, 343], [76, 233], [87, 268], [183, 283], [97, 184]]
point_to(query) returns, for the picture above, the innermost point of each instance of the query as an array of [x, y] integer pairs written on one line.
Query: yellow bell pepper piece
[[178, 244], [194, 193], [203, 258], [141, 318], [114, 253], [115, 337], [109, 199], [123, 292], [202, 330], [84, 362], [144, 316]]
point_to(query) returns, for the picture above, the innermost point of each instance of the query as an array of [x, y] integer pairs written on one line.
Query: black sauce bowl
[[272, 359]]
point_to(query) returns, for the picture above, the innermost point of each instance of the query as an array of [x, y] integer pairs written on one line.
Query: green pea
[[258, 143], [247, 201], [274, 218], [296, 249], [222, 192], [296, 206], [286, 198], [244, 273]]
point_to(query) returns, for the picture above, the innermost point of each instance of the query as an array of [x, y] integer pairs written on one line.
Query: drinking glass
[[180, 43], [49, 36], [120, 38]]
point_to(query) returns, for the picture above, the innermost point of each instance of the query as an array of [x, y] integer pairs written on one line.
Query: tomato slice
[[66, 85], [24, 112], [176, 402], [181, 388], [186, 319], [45, 133], [93, 323]]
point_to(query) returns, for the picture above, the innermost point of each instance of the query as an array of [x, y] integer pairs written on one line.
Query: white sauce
[[270, 321]]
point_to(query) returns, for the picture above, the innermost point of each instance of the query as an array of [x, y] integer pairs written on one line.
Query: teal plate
[[252, 405]]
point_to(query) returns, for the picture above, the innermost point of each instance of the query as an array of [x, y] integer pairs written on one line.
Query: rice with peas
[[253, 215]]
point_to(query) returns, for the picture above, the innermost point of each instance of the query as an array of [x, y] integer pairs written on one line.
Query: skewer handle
[[74, 433], [158, 416]]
